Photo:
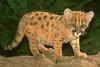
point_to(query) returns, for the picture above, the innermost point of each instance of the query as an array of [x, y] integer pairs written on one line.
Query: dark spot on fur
[[42, 26], [51, 18], [41, 13], [39, 18], [24, 19], [50, 13], [52, 25], [60, 18], [29, 32], [33, 35], [47, 23], [57, 34], [30, 13], [60, 40], [57, 43], [32, 17], [34, 42], [36, 14], [45, 16], [26, 23], [57, 28], [34, 23], [30, 23], [46, 30], [56, 17]]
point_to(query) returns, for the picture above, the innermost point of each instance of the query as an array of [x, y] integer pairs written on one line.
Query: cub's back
[[38, 18], [42, 24]]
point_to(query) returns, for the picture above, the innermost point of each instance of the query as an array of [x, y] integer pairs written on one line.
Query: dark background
[[11, 12]]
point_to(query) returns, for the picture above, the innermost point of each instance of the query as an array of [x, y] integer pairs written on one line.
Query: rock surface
[[30, 61]]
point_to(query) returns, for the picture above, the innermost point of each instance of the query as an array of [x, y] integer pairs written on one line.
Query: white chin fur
[[77, 35]]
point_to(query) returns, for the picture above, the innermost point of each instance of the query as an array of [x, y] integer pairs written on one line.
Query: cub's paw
[[39, 56], [82, 55], [50, 54], [60, 60]]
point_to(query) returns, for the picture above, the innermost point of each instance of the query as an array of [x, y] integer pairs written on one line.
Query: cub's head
[[78, 20]]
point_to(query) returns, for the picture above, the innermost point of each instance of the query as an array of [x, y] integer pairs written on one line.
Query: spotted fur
[[44, 28]]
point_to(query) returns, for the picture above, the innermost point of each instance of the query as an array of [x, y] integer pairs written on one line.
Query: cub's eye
[[73, 27], [83, 26]]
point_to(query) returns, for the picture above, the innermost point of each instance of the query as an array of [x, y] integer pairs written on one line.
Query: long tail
[[19, 35]]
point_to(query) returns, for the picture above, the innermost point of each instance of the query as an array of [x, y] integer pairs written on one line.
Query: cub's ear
[[90, 15], [67, 12]]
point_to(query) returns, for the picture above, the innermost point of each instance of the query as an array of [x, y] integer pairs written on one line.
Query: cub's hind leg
[[42, 48], [35, 47]]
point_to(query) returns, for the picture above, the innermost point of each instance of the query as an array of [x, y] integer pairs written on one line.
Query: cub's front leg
[[58, 51], [76, 49]]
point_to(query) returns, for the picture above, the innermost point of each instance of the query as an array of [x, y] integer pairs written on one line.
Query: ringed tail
[[18, 37]]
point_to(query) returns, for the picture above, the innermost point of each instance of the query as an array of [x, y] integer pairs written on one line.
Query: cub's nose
[[77, 34]]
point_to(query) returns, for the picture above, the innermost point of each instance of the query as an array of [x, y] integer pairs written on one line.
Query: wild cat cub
[[45, 28]]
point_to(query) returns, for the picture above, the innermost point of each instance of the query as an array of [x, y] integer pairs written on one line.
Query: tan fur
[[44, 28]]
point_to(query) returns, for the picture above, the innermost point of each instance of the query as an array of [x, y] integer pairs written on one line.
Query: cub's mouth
[[79, 34]]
